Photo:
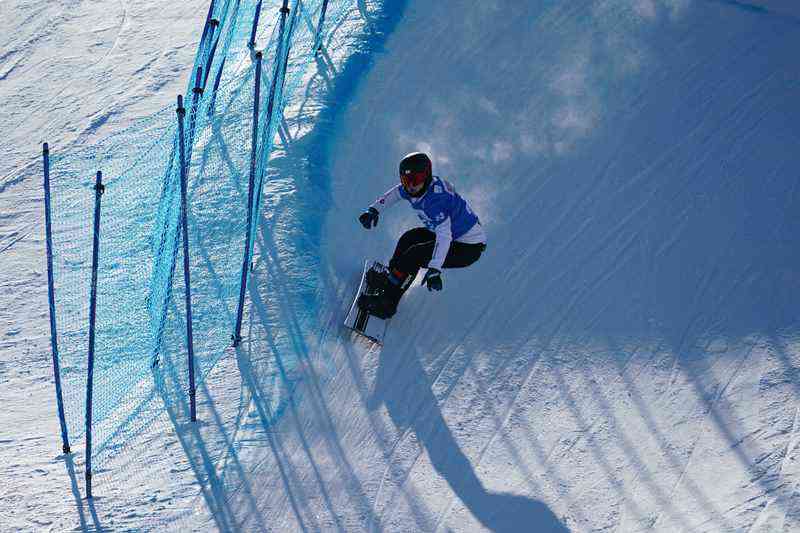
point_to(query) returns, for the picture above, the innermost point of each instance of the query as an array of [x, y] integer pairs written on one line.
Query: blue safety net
[[141, 346]]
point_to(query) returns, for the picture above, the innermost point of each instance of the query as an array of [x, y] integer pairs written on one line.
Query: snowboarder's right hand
[[369, 218], [433, 279]]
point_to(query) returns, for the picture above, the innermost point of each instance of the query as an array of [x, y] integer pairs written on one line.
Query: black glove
[[369, 218], [433, 279]]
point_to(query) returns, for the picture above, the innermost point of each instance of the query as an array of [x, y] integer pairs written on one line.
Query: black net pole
[[237, 334], [186, 275], [48, 225], [98, 188]]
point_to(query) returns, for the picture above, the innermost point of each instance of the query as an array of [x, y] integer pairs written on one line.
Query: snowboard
[[358, 320]]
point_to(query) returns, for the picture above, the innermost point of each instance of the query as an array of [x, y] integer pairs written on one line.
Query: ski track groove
[[600, 458], [698, 129], [553, 229], [791, 445], [231, 454], [646, 362], [615, 266], [500, 423], [564, 272], [432, 384], [699, 437], [792, 442], [120, 29], [61, 18], [14, 238], [445, 395], [629, 449], [603, 241], [332, 441], [447, 392], [655, 431], [14, 178], [696, 313], [499, 427], [579, 201], [322, 413]]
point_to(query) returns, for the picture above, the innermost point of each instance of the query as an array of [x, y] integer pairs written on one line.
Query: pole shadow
[[69, 464]]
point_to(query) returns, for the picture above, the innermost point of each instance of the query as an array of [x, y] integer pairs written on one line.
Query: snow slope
[[624, 357]]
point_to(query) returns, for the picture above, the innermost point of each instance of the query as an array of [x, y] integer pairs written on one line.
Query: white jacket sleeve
[[444, 236], [387, 199]]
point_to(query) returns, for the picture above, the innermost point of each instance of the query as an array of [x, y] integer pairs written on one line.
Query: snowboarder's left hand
[[433, 279]]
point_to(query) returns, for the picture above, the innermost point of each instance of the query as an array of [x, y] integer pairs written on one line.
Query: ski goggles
[[413, 181]]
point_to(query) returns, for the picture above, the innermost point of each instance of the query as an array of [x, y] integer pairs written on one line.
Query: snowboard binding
[[368, 311], [381, 296]]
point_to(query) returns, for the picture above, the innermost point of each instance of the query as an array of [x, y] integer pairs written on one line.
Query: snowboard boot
[[378, 280], [383, 303]]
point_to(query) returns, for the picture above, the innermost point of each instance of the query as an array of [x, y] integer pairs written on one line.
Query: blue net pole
[[285, 66], [48, 225], [210, 60], [208, 42], [278, 52], [186, 275], [253, 156], [217, 80], [218, 77], [318, 35], [189, 143], [197, 92], [252, 42], [281, 63], [209, 18], [98, 188]]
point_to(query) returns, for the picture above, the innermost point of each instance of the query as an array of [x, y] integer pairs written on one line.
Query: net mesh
[[141, 366]]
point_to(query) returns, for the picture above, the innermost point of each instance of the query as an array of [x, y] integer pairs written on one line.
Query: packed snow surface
[[625, 356]]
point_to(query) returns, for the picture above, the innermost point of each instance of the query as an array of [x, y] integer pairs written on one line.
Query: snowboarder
[[452, 236]]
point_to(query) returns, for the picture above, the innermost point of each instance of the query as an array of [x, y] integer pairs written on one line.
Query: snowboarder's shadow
[[403, 386]]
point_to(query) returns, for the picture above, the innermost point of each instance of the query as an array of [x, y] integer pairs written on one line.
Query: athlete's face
[[413, 182]]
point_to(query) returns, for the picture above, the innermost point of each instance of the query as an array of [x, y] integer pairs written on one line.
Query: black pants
[[415, 250]]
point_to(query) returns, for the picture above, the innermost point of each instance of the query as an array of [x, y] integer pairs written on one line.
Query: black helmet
[[415, 173]]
